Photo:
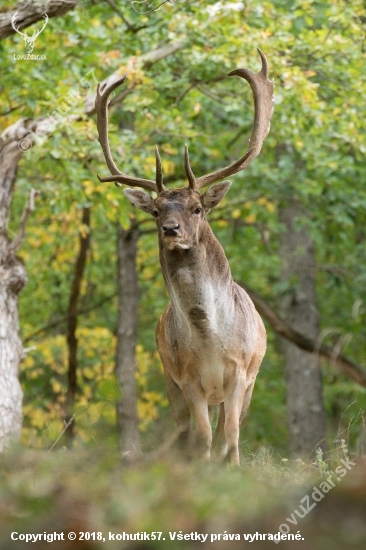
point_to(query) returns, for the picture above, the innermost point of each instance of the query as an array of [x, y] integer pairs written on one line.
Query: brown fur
[[210, 338]]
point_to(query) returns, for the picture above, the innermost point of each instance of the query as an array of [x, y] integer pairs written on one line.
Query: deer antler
[[262, 89], [101, 107]]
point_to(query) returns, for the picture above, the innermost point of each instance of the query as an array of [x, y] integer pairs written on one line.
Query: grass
[[87, 490]]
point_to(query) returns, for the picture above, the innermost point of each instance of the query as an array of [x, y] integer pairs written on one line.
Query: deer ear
[[142, 200], [214, 194]]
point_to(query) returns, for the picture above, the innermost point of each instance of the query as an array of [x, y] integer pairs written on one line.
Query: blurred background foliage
[[314, 152]]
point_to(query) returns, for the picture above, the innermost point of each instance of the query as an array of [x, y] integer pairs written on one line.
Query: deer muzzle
[[170, 229]]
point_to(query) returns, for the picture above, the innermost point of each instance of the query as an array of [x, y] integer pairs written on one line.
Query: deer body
[[211, 342], [210, 338]]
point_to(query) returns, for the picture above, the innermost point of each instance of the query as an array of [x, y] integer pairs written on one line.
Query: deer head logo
[[29, 40]]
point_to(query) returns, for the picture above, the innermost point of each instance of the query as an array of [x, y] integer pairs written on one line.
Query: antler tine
[[189, 173], [159, 172], [101, 107], [262, 89]]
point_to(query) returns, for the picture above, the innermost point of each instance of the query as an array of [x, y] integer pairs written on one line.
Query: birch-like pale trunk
[[13, 277]]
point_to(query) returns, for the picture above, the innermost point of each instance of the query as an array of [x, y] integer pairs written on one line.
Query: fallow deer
[[210, 338]]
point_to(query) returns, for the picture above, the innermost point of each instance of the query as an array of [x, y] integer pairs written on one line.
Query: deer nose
[[170, 229]]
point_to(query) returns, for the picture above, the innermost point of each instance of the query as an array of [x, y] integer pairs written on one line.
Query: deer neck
[[198, 281]]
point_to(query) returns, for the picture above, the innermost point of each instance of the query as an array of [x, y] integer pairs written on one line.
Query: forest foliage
[[315, 152]]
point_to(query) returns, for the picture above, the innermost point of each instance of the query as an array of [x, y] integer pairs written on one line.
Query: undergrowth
[[90, 490]]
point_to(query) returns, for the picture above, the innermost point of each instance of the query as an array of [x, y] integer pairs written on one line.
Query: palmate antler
[[101, 107], [262, 89]]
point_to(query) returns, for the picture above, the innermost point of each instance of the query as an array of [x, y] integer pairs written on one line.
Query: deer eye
[[198, 210], [155, 213]]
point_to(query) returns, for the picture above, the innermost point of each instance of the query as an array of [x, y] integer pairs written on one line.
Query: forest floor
[[86, 491]]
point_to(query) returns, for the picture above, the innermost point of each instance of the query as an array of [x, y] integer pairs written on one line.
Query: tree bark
[[13, 277], [127, 419], [306, 417], [72, 318]]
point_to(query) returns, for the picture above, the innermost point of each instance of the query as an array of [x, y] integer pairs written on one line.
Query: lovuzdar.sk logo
[[29, 40]]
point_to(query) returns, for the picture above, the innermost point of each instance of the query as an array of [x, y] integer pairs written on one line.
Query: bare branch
[[130, 27], [145, 61], [149, 5], [345, 365], [30, 206], [10, 110], [62, 433], [115, 8], [120, 97], [165, 447]]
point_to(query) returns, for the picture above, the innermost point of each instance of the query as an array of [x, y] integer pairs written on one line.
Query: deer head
[[178, 212], [29, 40]]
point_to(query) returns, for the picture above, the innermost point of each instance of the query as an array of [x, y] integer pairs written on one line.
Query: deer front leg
[[233, 406], [219, 443], [199, 409], [181, 412]]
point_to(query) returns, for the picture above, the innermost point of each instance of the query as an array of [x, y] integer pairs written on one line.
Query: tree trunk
[[306, 417], [13, 277], [72, 320], [127, 420]]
